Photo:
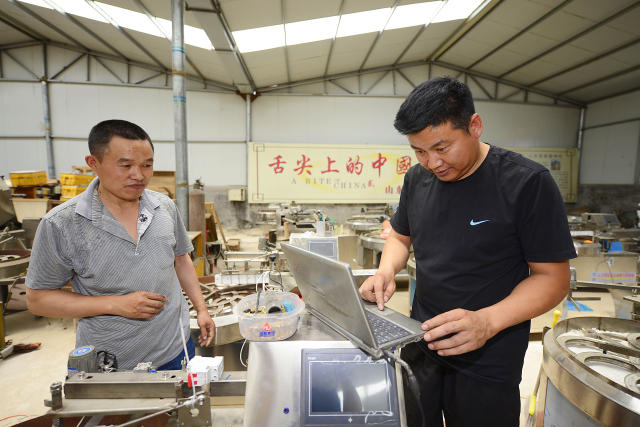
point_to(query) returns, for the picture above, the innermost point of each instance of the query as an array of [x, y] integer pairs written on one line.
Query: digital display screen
[[348, 388], [324, 248]]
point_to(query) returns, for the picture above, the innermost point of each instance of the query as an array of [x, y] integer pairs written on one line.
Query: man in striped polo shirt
[[126, 252]]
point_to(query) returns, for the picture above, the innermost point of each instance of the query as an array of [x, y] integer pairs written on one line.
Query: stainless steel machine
[[591, 368], [318, 378], [370, 249], [143, 394]]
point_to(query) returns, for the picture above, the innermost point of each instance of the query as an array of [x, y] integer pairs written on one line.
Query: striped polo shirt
[[81, 241]]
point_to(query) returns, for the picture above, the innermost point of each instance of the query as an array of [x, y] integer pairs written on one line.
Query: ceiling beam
[[20, 27], [139, 64], [284, 28], [153, 76], [378, 80], [124, 32], [574, 37], [481, 86], [19, 45], [587, 62], [416, 36], [17, 61], [448, 66], [234, 46], [467, 25], [66, 67], [613, 95], [333, 40], [80, 48], [33, 14], [153, 20], [399, 71], [378, 35], [519, 33], [113, 73], [85, 28], [341, 87], [213, 21], [601, 79]]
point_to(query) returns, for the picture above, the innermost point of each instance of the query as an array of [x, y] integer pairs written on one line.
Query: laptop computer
[[331, 294]]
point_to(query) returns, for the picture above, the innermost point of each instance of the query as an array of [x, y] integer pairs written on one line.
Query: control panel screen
[[348, 388]]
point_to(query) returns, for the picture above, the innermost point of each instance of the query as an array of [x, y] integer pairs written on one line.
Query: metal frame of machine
[[601, 398]]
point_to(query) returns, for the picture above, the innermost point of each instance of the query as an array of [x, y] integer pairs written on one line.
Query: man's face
[[450, 154], [125, 167]]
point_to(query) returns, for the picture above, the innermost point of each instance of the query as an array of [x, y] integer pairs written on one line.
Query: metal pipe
[[51, 169], [180, 110], [583, 111], [248, 133], [617, 122]]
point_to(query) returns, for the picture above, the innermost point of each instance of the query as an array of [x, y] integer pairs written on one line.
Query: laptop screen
[[328, 287]]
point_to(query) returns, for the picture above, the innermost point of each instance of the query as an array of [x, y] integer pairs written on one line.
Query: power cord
[[411, 379], [240, 355]]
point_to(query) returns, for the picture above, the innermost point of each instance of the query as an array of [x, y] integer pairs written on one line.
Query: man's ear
[[92, 161], [475, 126]]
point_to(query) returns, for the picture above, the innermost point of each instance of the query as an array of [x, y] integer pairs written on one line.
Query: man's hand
[[378, 288], [140, 305], [471, 331], [207, 328]]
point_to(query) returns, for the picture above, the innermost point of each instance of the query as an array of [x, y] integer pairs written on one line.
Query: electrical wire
[[240, 355], [411, 378], [184, 346], [168, 408], [13, 416]]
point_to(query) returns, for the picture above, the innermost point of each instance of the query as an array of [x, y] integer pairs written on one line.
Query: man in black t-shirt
[[492, 244]]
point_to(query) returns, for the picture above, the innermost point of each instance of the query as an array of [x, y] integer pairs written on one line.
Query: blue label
[[268, 334], [82, 350]]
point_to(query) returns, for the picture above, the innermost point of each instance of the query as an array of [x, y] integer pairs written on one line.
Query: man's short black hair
[[433, 103], [101, 135]]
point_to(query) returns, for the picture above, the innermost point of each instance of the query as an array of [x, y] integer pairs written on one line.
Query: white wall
[[610, 154], [215, 127], [216, 121], [216, 124], [369, 120]]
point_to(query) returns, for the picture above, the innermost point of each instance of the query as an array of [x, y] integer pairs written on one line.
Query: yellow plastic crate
[[72, 190], [75, 179], [22, 178]]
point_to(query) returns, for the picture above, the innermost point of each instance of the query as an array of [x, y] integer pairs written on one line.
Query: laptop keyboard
[[383, 330]]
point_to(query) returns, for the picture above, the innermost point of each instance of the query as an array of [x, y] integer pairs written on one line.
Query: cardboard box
[[75, 179], [71, 190], [237, 194], [22, 178], [29, 208], [163, 182]]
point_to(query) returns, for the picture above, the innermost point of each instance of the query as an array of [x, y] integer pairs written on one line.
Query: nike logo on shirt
[[472, 222]]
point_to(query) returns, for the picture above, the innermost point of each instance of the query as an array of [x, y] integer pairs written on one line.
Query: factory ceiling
[[574, 51]]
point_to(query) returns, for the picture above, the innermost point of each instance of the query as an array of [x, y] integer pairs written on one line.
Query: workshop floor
[[26, 377]]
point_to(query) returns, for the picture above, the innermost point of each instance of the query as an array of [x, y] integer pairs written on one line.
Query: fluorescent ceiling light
[[259, 38], [457, 9], [370, 21], [412, 15], [311, 30], [270, 37], [75, 7], [124, 18], [129, 19], [351, 24]]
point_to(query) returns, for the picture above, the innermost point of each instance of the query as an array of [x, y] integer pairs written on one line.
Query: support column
[[51, 169], [180, 110], [247, 99]]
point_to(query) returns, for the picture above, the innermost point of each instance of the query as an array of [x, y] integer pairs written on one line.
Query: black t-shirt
[[472, 239]]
